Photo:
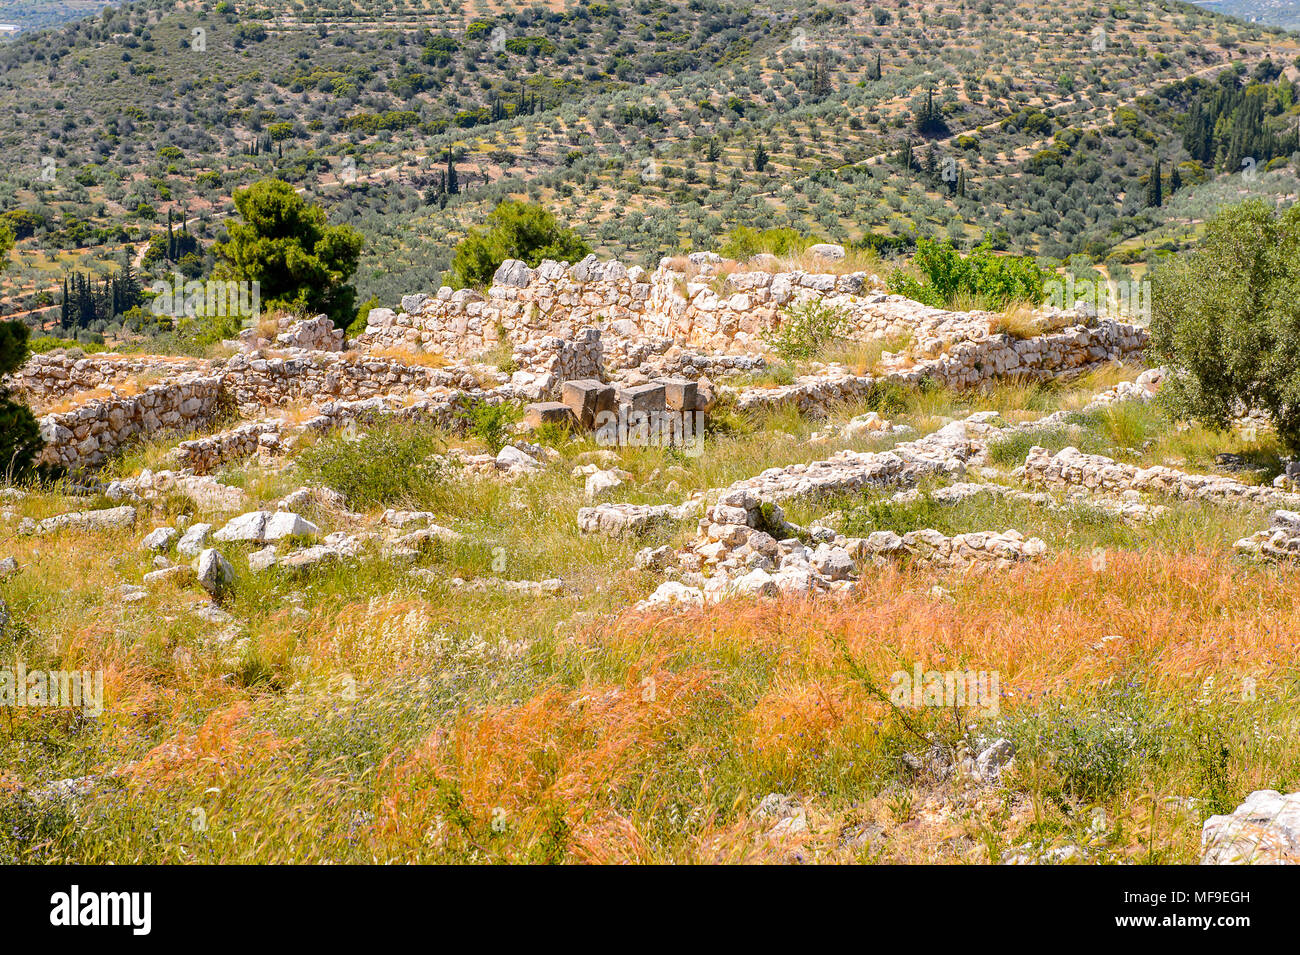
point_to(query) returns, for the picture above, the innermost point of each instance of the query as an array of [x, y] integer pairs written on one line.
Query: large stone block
[[548, 412], [587, 398], [679, 394], [650, 397]]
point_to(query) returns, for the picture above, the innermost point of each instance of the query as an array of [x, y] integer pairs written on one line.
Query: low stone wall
[[707, 307], [204, 455], [1280, 541], [86, 436], [968, 364], [257, 382], [49, 378], [1072, 468]]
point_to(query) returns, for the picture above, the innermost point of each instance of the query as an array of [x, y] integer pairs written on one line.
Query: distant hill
[[30, 15], [651, 127], [1277, 13]]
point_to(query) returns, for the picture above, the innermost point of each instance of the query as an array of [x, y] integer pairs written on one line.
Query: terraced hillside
[[653, 128]]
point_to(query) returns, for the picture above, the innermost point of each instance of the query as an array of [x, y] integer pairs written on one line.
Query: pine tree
[[760, 157]]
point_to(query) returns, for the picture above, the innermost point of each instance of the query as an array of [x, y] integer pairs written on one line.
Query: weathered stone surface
[[1263, 830], [587, 398], [548, 412], [266, 526], [160, 538], [213, 571], [680, 394], [647, 398], [108, 519]]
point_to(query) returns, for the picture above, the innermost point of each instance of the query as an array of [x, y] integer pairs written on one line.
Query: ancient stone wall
[[1072, 468], [50, 378], [86, 436]]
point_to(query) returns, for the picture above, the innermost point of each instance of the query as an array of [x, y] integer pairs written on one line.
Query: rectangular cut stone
[[587, 398], [679, 393], [548, 412], [649, 397]]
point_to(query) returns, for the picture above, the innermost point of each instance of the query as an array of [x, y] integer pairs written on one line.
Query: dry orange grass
[[563, 752], [1180, 618], [224, 746]]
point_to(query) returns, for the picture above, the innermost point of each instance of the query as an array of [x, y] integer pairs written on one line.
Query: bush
[[806, 328], [391, 462], [20, 436], [1224, 320], [995, 280], [492, 424], [515, 230]]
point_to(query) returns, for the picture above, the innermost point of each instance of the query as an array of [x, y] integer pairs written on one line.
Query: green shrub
[[20, 436], [393, 461], [745, 242], [492, 424], [1224, 319], [995, 280], [515, 230], [47, 343], [806, 328]]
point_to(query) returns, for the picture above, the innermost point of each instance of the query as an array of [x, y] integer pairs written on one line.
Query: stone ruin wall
[[565, 323], [719, 312], [46, 380], [86, 436]]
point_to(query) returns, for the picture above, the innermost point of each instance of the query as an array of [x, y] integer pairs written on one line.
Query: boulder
[[213, 571]]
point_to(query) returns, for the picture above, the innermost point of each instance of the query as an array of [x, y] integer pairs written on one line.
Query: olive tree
[[1226, 320]]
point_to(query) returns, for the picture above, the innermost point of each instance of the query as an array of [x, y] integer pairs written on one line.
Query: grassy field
[[355, 713]]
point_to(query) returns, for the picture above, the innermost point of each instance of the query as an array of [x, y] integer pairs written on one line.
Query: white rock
[[511, 457], [1263, 830], [192, 541], [159, 539], [602, 483], [214, 572]]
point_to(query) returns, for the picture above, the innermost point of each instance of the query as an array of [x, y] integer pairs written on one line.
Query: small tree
[[514, 230], [20, 436], [1225, 318], [284, 244]]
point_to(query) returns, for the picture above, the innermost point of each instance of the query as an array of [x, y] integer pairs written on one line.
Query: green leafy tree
[[996, 280], [284, 243], [1225, 318], [20, 436], [514, 230]]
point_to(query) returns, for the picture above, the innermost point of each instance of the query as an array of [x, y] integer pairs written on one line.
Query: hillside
[[638, 123], [1275, 13], [953, 589]]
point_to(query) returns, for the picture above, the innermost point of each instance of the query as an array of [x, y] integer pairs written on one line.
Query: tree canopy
[[285, 244], [1226, 320], [514, 230]]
